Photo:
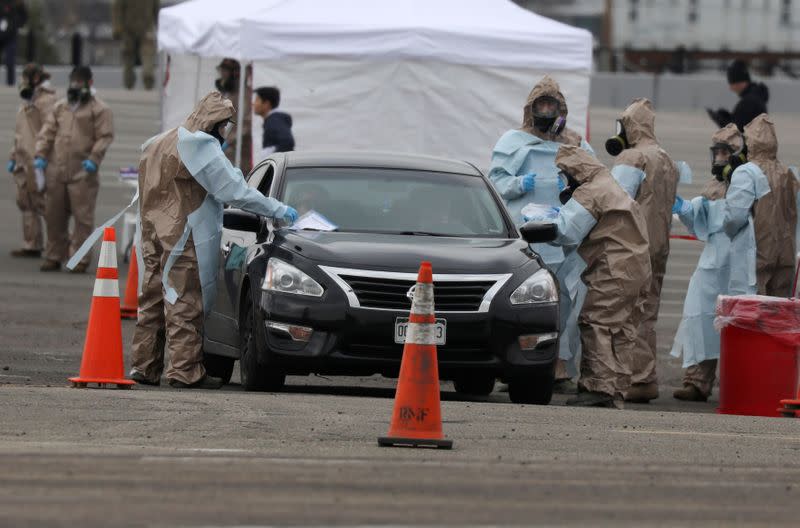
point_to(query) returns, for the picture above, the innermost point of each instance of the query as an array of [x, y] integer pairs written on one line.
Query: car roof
[[385, 160]]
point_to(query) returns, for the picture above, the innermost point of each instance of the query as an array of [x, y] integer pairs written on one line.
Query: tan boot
[[642, 393], [50, 265], [689, 393]]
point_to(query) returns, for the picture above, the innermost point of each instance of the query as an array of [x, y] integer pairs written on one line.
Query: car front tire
[[255, 376], [534, 388]]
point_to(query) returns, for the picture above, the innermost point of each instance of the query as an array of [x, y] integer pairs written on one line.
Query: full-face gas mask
[[221, 130], [619, 142], [724, 160], [547, 118], [78, 92], [569, 183]]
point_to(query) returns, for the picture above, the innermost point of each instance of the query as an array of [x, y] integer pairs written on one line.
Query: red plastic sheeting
[[776, 316]]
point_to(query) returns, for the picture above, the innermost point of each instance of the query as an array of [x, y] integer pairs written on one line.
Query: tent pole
[[239, 118]]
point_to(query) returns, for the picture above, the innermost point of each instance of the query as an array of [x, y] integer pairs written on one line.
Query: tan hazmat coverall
[[704, 373], [134, 23], [618, 267], [775, 215], [168, 194], [655, 198], [70, 135], [548, 87], [30, 118]]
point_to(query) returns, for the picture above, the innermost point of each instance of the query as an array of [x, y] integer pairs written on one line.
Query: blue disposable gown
[[748, 184], [516, 154], [696, 337]]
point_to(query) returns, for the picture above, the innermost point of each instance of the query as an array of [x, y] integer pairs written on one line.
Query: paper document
[[314, 221]]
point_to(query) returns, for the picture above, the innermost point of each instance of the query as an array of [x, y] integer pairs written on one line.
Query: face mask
[[26, 92], [723, 171], [571, 184], [617, 143], [78, 93], [221, 131]]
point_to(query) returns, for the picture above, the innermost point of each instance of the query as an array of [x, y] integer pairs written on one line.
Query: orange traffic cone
[[417, 416], [102, 351], [130, 306]]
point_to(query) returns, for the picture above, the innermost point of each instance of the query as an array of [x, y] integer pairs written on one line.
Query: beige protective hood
[[762, 142], [578, 163], [639, 122], [730, 136], [211, 109], [546, 87]]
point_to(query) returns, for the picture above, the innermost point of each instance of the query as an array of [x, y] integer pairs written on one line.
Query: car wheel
[[255, 376], [474, 384], [219, 366], [535, 388]]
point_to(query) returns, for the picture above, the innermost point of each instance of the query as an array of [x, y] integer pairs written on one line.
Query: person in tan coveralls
[[655, 194], [134, 23], [38, 100], [611, 234], [184, 174], [71, 146], [775, 215]]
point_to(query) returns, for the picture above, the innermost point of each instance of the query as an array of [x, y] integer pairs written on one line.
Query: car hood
[[404, 253]]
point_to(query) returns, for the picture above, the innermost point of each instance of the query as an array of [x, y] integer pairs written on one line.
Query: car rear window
[[397, 201]]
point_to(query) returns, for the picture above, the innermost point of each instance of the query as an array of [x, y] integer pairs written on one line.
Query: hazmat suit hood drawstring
[[639, 122], [578, 163], [211, 109], [762, 142]]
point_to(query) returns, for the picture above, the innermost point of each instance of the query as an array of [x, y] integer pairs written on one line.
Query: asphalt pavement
[[162, 457]]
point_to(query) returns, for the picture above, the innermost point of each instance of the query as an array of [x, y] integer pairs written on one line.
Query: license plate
[[401, 330]]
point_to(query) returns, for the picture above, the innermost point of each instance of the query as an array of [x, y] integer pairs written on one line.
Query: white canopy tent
[[440, 77]]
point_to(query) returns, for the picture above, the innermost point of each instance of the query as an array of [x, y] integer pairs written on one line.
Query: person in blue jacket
[[524, 172], [722, 218]]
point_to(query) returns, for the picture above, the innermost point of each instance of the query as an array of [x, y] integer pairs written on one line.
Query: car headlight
[[285, 278], [538, 288]]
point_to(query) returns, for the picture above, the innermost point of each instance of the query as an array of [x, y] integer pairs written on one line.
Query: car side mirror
[[239, 220], [536, 232]]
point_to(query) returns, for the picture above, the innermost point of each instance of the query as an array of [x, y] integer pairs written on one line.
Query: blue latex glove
[[528, 182], [11, 165], [225, 146], [89, 166], [290, 216], [678, 205], [40, 163]]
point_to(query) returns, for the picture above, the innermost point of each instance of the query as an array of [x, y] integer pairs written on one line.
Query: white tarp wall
[[444, 77]]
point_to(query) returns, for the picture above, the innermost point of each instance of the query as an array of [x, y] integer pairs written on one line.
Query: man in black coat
[[13, 15], [277, 125], [753, 98]]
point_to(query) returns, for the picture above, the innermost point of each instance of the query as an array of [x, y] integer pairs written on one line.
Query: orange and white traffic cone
[[417, 416], [130, 306], [102, 351]]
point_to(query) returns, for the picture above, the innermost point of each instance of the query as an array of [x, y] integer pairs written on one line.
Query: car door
[[221, 325]]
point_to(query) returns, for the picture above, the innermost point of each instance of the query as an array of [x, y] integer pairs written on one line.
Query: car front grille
[[392, 294]]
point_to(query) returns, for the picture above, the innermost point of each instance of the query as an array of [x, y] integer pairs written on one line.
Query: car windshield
[[397, 201]]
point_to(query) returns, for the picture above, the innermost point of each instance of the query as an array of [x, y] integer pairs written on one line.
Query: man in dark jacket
[[277, 125], [13, 15], [753, 98]]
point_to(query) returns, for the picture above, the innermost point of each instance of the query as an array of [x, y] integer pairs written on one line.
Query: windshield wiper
[[424, 233]]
